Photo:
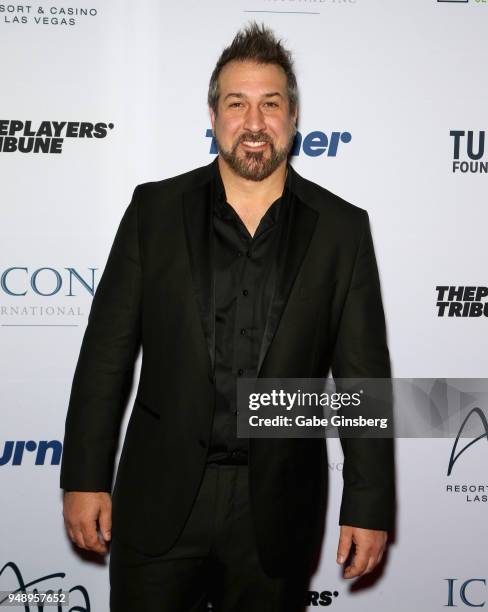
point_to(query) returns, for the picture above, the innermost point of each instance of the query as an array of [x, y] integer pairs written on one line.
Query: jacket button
[[202, 443]]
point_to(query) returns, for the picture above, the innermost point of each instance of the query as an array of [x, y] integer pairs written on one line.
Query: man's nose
[[254, 119]]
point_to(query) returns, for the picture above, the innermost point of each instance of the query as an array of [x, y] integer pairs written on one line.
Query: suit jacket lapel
[[198, 221], [294, 240]]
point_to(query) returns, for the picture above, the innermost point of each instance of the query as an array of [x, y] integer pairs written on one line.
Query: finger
[[71, 534], [105, 522], [372, 563], [344, 546], [78, 538], [358, 564], [91, 539]]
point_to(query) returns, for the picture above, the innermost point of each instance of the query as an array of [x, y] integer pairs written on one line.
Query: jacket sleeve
[[361, 351], [104, 370]]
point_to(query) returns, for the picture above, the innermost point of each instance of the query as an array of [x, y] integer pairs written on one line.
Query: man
[[238, 268]]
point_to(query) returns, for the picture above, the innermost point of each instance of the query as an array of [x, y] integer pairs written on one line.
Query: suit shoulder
[[326, 202], [174, 185]]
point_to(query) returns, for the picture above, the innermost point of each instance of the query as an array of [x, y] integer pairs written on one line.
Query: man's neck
[[245, 194]]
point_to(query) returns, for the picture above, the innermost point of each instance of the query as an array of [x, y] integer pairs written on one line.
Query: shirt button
[[239, 254], [240, 371], [243, 332], [245, 292]]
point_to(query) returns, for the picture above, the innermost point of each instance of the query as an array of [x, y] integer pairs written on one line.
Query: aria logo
[[468, 151], [474, 492], [48, 137], [25, 587]]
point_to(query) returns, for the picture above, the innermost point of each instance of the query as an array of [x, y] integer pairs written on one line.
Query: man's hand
[[81, 510], [369, 548]]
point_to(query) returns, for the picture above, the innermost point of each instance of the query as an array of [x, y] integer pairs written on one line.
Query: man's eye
[[271, 104], [236, 103]]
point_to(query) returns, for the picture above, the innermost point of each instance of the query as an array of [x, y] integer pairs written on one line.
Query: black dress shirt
[[244, 269]]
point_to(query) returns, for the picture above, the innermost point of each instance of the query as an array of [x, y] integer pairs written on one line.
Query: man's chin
[[254, 171]]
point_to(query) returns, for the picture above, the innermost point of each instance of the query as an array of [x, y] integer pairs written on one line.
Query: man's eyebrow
[[241, 95]]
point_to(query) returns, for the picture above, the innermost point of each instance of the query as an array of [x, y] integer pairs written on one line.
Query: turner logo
[[314, 144], [468, 152], [48, 137], [16, 452], [474, 492]]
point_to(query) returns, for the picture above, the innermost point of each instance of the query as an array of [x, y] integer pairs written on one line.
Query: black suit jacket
[[157, 290]]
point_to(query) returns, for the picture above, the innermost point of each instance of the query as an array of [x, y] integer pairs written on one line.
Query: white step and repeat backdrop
[[98, 96]]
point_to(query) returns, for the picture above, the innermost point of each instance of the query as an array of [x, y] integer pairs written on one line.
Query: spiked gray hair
[[259, 44]]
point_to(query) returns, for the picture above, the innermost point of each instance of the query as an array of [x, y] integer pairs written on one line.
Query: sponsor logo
[[18, 281], [78, 594], [468, 152], [44, 15], [320, 598], [48, 136], [474, 492], [471, 592], [312, 599], [462, 301], [44, 287], [313, 144], [309, 3], [16, 452]]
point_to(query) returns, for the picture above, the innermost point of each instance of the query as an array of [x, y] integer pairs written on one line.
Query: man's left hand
[[369, 548]]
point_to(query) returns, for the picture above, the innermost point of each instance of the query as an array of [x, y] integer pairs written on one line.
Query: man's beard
[[254, 165]]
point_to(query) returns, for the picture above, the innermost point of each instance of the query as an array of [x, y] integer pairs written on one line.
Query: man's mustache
[[254, 138]]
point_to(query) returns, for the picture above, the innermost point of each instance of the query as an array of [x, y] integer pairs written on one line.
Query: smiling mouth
[[254, 145]]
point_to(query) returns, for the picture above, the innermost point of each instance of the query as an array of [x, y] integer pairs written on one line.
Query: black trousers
[[213, 565]]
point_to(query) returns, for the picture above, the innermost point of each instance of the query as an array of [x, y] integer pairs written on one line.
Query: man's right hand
[[81, 511]]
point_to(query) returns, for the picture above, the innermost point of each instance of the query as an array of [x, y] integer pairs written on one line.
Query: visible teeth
[[254, 144]]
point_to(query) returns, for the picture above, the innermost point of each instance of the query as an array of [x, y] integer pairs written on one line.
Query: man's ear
[[295, 117], [212, 118]]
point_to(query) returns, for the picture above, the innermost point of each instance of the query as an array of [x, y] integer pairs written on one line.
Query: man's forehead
[[238, 76]]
